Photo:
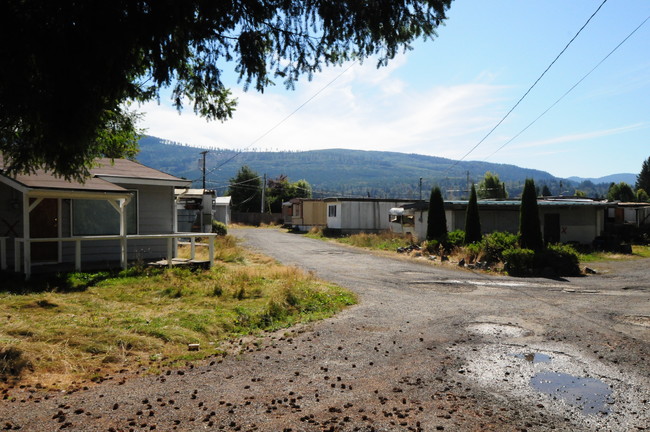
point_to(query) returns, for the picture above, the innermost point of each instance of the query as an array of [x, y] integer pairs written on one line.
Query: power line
[[283, 120], [570, 89], [527, 91]]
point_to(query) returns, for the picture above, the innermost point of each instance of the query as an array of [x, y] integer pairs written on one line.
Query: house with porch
[[562, 220], [124, 212]]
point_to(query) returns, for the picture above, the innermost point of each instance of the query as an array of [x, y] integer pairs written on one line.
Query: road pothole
[[559, 379], [591, 395]]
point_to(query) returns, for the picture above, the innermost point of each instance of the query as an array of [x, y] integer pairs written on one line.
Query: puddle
[[534, 357], [591, 395]]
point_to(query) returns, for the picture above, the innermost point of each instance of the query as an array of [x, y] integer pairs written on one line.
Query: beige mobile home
[[307, 213]]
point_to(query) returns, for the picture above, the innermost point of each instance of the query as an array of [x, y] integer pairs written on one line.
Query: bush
[[493, 245], [519, 262], [432, 246], [563, 259], [455, 239], [219, 228], [473, 251]]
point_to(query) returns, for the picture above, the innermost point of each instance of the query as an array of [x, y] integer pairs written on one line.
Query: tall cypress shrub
[[472, 219], [529, 227], [436, 221]]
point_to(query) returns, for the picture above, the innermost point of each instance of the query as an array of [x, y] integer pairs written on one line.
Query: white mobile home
[[354, 215]]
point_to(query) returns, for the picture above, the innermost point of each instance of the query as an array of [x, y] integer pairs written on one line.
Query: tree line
[[251, 192]]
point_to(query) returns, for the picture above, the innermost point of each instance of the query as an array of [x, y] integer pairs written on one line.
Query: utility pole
[[203, 153], [420, 188], [263, 194]]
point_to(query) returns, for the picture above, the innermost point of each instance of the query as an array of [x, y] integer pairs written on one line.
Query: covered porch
[[48, 222]]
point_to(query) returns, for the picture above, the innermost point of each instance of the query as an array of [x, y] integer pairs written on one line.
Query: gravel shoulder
[[426, 348]]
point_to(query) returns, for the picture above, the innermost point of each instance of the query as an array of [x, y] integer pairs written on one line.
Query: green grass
[[77, 327], [638, 251]]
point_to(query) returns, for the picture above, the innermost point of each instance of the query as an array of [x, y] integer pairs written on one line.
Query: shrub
[[519, 262], [473, 251], [219, 228], [495, 243], [529, 225], [472, 219], [455, 239], [437, 221], [432, 246], [563, 259]]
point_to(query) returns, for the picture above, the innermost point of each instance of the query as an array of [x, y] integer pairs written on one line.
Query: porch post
[[27, 249], [123, 246], [3, 251], [17, 255], [175, 220], [170, 251], [211, 250], [77, 255]]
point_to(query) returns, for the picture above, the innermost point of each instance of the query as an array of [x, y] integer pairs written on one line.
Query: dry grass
[[386, 240], [81, 327]]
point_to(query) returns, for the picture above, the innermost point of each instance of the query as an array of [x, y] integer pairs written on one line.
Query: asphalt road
[[426, 348]]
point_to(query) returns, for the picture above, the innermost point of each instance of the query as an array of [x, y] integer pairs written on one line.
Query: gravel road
[[426, 348]]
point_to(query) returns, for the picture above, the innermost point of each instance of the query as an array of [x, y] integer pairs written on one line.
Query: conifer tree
[[643, 178], [70, 68], [529, 227], [472, 219], [436, 221]]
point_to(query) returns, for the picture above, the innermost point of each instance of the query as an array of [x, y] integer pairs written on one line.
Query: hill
[[613, 178], [336, 172]]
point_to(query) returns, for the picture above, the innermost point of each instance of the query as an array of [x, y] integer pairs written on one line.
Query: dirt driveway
[[426, 349]]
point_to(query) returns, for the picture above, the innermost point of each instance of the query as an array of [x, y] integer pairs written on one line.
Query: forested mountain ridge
[[341, 172]]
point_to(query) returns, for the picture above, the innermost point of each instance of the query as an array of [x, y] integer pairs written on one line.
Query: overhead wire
[[527, 91], [570, 89], [287, 117]]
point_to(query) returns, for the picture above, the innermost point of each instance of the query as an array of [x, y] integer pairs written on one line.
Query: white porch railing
[[22, 244]]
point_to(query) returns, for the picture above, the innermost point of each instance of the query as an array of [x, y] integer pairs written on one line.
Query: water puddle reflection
[[590, 394], [534, 357]]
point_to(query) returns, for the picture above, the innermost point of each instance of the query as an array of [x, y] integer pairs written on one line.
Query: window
[[331, 211], [99, 217]]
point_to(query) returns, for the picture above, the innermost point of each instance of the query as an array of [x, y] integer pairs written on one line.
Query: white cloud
[[363, 108], [582, 136]]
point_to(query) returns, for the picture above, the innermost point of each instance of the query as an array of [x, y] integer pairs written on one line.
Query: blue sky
[[445, 95]]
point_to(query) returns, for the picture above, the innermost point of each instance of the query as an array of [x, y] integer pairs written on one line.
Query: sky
[[445, 96]]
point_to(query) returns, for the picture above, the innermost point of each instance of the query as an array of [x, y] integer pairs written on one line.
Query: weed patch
[[147, 318], [385, 240]]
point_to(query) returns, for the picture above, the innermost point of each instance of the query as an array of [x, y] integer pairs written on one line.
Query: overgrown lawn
[[61, 331]]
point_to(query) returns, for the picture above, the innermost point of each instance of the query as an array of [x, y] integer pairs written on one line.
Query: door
[[551, 228], [44, 223]]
